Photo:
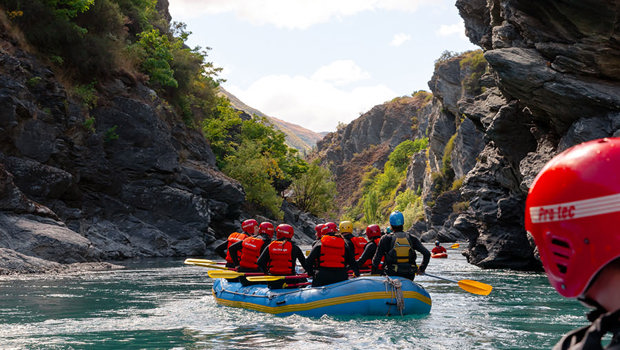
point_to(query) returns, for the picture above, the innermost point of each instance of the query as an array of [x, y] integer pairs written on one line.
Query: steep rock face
[[130, 181], [454, 145], [367, 141], [555, 65]]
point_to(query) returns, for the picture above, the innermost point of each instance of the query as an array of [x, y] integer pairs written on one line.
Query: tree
[[314, 191]]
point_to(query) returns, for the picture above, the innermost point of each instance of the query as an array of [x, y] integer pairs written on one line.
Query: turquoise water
[[161, 304]]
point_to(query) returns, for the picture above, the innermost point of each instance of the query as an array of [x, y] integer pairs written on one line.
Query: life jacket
[[332, 252], [438, 249], [250, 252], [234, 238], [281, 258], [359, 243], [401, 252]]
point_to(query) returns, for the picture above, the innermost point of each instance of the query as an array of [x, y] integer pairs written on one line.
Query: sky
[[317, 63]]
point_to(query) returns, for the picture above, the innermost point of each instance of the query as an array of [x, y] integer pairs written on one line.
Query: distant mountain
[[296, 136]]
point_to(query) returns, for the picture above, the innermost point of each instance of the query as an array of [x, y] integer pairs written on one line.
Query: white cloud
[[452, 29], [400, 39], [341, 72], [315, 102], [299, 14]]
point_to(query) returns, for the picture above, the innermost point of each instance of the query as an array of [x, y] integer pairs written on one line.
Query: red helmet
[[266, 228], [285, 231], [373, 231], [573, 211], [249, 225], [329, 228], [318, 229]]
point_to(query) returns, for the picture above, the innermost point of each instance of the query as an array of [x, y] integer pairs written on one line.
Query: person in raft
[[280, 257], [357, 242], [318, 234], [373, 233], [573, 211], [438, 249], [249, 228], [399, 248], [251, 248], [332, 257]]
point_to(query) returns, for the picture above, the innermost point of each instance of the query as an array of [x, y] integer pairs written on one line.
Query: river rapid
[[162, 304]]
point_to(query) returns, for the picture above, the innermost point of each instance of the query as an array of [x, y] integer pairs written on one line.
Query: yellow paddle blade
[[455, 245], [475, 287], [202, 261], [264, 278], [223, 274]]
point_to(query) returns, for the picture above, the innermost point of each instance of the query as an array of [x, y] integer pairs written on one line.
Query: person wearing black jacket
[[333, 257], [373, 232], [399, 248], [249, 228]]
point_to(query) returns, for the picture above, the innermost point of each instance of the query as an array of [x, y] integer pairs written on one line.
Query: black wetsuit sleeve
[[233, 250], [383, 248], [263, 260], [313, 258], [369, 251], [221, 249], [426, 255], [299, 255], [349, 258]]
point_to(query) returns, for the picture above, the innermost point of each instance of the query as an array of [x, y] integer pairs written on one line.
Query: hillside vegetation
[[88, 42]]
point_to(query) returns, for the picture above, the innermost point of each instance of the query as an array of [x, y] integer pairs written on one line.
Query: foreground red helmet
[[373, 231], [266, 228], [285, 231], [318, 229], [573, 213], [329, 228], [249, 225]]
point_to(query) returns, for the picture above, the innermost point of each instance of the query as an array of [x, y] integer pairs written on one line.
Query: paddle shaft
[[441, 278]]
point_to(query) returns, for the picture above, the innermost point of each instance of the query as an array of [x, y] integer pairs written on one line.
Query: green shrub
[[248, 166], [87, 94], [314, 191]]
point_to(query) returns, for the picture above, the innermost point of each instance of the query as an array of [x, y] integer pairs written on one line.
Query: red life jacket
[[250, 251], [281, 258], [359, 243], [234, 238], [438, 249], [332, 252]]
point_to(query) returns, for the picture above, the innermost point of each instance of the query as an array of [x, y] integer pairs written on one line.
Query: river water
[[162, 304]]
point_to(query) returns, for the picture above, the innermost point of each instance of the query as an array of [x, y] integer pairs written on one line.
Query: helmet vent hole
[[560, 243], [562, 268]]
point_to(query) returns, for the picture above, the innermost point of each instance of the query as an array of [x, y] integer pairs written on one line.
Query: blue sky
[[320, 62]]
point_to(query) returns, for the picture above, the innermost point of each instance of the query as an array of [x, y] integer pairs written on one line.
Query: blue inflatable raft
[[368, 295]]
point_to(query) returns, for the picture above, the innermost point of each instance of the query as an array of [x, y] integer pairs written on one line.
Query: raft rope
[[397, 292]]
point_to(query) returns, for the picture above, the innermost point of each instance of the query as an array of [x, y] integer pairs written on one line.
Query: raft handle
[[280, 302]]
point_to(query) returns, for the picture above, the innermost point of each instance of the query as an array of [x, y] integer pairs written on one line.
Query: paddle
[[205, 265], [269, 278], [455, 245], [473, 287], [205, 261]]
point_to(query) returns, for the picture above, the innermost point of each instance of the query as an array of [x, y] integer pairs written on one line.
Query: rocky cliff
[[555, 68], [367, 141], [119, 178]]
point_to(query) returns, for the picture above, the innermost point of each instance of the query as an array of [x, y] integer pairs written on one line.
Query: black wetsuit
[[590, 337], [329, 275], [391, 267]]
